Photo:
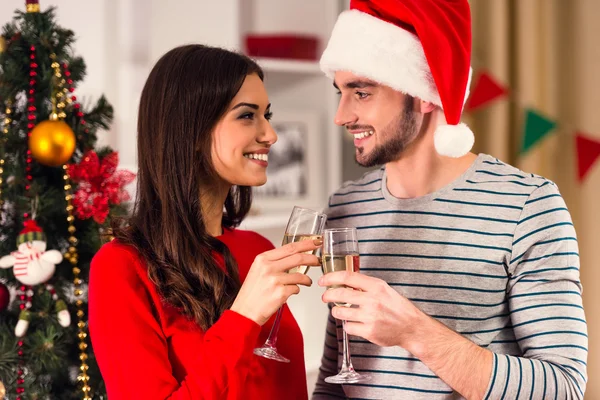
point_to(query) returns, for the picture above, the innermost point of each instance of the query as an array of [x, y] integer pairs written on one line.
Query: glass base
[[348, 377], [270, 353]]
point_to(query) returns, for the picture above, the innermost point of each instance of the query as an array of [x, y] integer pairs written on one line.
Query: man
[[469, 283]]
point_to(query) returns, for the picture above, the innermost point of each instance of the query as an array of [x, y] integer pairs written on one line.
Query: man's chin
[[359, 156], [373, 158], [362, 160]]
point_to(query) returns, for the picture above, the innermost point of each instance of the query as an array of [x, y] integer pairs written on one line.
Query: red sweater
[[147, 350]]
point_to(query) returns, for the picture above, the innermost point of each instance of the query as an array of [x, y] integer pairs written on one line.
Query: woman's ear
[[426, 106]]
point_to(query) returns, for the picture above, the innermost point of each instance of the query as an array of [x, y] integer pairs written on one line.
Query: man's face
[[381, 119]]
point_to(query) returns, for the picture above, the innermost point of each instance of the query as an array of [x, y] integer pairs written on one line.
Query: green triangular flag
[[536, 127]]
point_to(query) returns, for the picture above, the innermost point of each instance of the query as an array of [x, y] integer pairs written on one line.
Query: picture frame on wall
[[295, 173]]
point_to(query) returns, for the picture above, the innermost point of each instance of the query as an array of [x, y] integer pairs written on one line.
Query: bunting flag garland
[[588, 151], [537, 126], [486, 90]]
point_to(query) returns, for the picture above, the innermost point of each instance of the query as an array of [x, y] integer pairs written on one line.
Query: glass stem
[[346, 360], [272, 339]]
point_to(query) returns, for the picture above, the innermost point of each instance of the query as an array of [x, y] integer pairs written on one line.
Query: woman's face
[[242, 138]]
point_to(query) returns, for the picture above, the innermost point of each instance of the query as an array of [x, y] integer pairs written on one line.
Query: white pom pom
[[453, 140]]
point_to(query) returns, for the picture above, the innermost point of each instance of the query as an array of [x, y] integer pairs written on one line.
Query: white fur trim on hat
[[453, 140], [370, 47]]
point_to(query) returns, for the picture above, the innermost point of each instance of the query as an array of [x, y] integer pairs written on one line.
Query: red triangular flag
[[588, 151], [486, 90]]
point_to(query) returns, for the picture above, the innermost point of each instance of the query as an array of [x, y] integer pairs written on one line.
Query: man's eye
[[362, 95]]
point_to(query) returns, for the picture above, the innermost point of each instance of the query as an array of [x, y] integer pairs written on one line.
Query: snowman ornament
[[34, 265]]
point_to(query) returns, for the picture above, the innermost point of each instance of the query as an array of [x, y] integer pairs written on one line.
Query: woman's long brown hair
[[187, 92]]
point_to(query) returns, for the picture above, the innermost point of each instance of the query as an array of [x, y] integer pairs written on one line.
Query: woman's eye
[[247, 116], [268, 116]]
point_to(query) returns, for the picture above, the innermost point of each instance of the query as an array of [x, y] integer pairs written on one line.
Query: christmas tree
[[58, 194]]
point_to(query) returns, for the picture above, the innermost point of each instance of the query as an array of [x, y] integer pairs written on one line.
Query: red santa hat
[[418, 47]]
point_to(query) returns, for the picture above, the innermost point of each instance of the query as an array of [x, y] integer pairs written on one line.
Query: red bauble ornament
[[4, 297]]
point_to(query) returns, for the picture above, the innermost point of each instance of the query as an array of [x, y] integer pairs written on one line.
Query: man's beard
[[400, 133]]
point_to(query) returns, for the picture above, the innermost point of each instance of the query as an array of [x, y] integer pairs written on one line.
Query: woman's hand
[[268, 285]]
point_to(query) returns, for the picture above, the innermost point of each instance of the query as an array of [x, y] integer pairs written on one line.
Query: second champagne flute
[[340, 253], [304, 224]]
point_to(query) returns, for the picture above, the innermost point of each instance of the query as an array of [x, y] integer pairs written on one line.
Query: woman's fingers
[[304, 246], [295, 279]]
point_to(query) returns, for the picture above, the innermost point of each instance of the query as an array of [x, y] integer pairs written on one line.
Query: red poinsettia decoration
[[99, 185]]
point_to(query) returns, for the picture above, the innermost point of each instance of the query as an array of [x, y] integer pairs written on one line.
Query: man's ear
[[426, 106]]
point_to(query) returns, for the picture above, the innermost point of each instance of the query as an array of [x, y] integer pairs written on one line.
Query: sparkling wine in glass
[[304, 224], [348, 262], [340, 253]]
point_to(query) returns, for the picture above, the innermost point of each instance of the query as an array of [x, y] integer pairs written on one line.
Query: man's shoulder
[[506, 177]]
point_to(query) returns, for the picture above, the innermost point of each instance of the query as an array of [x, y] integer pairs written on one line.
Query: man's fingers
[[357, 329], [352, 279], [347, 313], [344, 296]]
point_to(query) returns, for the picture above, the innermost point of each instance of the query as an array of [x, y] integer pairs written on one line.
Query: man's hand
[[387, 318], [383, 316]]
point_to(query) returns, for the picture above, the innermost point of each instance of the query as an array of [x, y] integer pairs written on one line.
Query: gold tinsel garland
[[7, 122], [59, 99]]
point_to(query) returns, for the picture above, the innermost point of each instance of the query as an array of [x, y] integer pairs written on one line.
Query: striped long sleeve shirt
[[494, 257]]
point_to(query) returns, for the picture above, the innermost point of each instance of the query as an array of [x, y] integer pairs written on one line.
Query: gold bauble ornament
[[52, 143], [2, 48]]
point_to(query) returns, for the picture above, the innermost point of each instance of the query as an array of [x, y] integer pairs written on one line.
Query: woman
[[180, 299]]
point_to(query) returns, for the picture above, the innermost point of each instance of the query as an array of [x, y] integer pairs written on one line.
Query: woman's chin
[[255, 180], [261, 182]]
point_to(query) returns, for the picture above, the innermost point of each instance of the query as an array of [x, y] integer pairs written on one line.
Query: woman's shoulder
[[120, 261], [116, 250], [247, 238]]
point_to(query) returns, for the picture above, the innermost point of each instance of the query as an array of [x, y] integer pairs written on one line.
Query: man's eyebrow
[[357, 84]]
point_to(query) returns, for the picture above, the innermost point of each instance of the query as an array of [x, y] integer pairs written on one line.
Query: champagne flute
[[304, 224], [340, 253]]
